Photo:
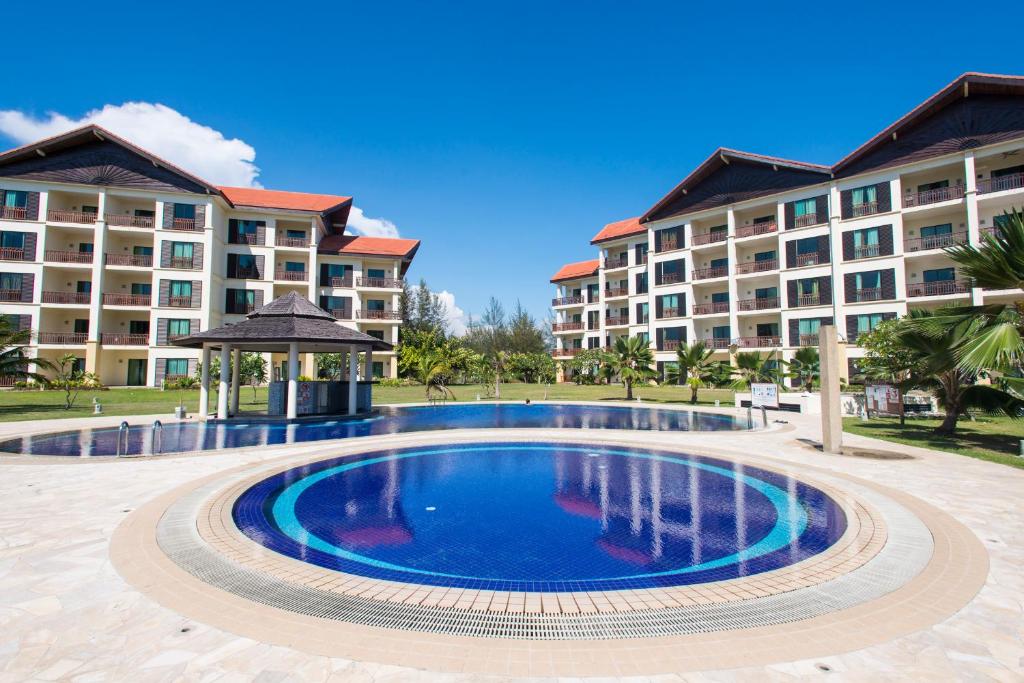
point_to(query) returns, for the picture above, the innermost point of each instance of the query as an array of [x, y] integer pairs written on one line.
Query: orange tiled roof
[[276, 199], [630, 226], [572, 271], [368, 246]]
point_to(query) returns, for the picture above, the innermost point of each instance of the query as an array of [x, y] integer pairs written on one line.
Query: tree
[[633, 360], [421, 310], [531, 367], [524, 336], [431, 370], [14, 361], [329, 365], [805, 367], [252, 370], [888, 359], [68, 378], [751, 367], [585, 365], [490, 338], [693, 367]]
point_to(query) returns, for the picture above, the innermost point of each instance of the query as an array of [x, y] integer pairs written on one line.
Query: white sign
[[882, 398], [764, 395]]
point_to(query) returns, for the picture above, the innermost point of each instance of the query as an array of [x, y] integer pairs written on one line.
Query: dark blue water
[[197, 436], [539, 517]]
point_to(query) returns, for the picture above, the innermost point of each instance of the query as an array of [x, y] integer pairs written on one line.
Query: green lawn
[[995, 439], [49, 405]]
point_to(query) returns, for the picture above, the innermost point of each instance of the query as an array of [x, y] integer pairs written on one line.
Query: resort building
[[754, 253], [109, 253]]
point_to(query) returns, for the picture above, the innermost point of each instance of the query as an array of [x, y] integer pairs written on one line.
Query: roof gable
[[277, 199], [620, 229], [575, 271]]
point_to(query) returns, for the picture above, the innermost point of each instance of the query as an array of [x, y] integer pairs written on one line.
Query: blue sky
[[504, 135]]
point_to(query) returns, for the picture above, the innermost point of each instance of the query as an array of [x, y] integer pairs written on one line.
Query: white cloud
[[455, 317], [360, 223], [171, 135]]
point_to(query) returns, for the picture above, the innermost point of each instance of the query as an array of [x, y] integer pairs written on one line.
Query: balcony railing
[[616, 321], [243, 238], [808, 340], [671, 344], [708, 273], [940, 194], [79, 217], [563, 353], [612, 292], [342, 313], [137, 260], [612, 263], [1014, 181], [132, 299], [759, 303], [670, 278], [757, 266], [807, 260], [716, 343], [245, 274], [668, 244], [12, 254], [567, 327], [291, 275], [995, 232], [379, 282], [806, 220], [871, 294], [367, 314], [184, 263], [126, 221], [10, 295], [761, 342], [336, 281], [671, 313], [714, 307], [66, 297], [63, 338], [764, 228], [710, 237], [179, 301], [13, 213], [299, 242], [120, 339], [866, 251], [240, 309], [55, 256], [812, 300], [567, 301], [940, 288], [864, 209], [185, 224], [934, 241]]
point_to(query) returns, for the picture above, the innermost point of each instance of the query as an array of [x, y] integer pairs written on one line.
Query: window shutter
[[168, 223], [32, 206], [790, 253], [790, 210], [825, 289], [165, 254], [161, 370], [791, 293], [658, 306], [682, 334], [261, 261], [824, 250], [165, 292], [259, 298], [888, 316], [261, 233], [883, 193], [24, 322], [30, 246], [821, 208], [197, 256], [885, 247], [846, 203], [232, 265], [828, 320], [888, 283], [849, 286], [193, 365], [28, 286], [323, 275], [682, 304], [197, 293], [201, 216], [851, 328], [193, 326], [660, 338], [161, 331], [848, 245], [794, 333]]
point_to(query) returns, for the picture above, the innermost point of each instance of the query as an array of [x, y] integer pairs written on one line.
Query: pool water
[[197, 436], [539, 517]]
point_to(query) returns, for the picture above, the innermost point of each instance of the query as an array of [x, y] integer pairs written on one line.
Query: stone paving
[[67, 614]]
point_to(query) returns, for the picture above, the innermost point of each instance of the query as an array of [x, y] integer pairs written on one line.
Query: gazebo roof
[[289, 318]]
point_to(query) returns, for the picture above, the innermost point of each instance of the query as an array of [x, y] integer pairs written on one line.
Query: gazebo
[[289, 324]]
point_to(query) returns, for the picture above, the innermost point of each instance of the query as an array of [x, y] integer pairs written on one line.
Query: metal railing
[[567, 327], [11, 295], [710, 237], [716, 343], [291, 275], [713, 307], [137, 260], [182, 262], [934, 241], [708, 273], [1014, 181], [80, 217], [66, 297], [243, 238], [612, 292], [367, 314], [300, 242], [759, 342], [866, 251], [613, 263], [121, 339], [812, 300], [807, 260], [246, 274], [125, 221], [669, 278], [864, 209], [131, 299], [616, 321], [671, 313], [379, 282], [808, 340], [757, 266], [239, 309], [336, 281], [567, 301], [179, 302], [13, 213], [557, 353], [939, 288], [939, 194], [342, 313], [869, 294], [806, 220], [671, 344], [668, 244], [55, 256], [758, 303], [763, 228], [188, 224], [12, 254], [63, 338]]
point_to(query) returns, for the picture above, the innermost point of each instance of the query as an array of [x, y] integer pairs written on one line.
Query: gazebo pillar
[[225, 377], [293, 381], [353, 370], [368, 365], [204, 385], [236, 362]]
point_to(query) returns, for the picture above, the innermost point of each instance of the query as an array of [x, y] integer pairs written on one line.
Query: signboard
[[882, 398], [764, 395]]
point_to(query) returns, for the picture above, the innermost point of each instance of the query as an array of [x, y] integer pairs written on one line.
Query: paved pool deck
[[68, 613]]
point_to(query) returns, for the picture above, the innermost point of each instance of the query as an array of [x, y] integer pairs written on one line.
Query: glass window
[[176, 367], [142, 251], [138, 327], [868, 322], [378, 369], [142, 288], [720, 332], [718, 229], [764, 256], [10, 281], [182, 250], [720, 262], [84, 287], [807, 287], [376, 273], [375, 305], [865, 238], [144, 213], [339, 270], [245, 261], [937, 185], [865, 195], [670, 301], [85, 247], [15, 198], [719, 297], [185, 211], [767, 330], [592, 293], [181, 288], [1001, 173], [12, 240], [807, 245], [1001, 221], [809, 326], [869, 280], [81, 326], [334, 303], [766, 292], [805, 207], [294, 267], [940, 275], [296, 234], [376, 334], [179, 328], [645, 336], [936, 230]]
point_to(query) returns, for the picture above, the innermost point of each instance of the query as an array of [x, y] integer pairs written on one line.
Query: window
[[182, 250], [142, 288], [937, 185], [645, 312], [375, 305], [243, 231], [142, 251], [376, 273], [720, 297], [937, 230], [809, 326], [720, 262], [12, 240], [176, 367], [762, 256], [90, 209], [868, 322], [807, 287], [178, 328], [242, 266], [18, 199], [10, 282], [593, 292], [295, 234], [766, 293], [767, 330], [1001, 222], [85, 248], [78, 366], [376, 334], [185, 211], [720, 332], [144, 213], [181, 288], [670, 305], [869, 280], [1001, 173], [939, 275], [294, 267], [645, 336], [84, 287], [864, 197], [334, 303], [641, 283], [805, 207], [377, 369], [808, 245], [718, 230], [81, 326], [240, 300], [865, 243], [138, 327]]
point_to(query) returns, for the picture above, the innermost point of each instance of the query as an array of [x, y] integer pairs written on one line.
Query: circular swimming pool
[[181, 437], [539, 517]]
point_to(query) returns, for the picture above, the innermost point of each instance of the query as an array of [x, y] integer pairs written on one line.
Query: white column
[[293, 381], [225, 378], [236, 362], [204, 385], [973, 224], [734, 291], [353, 368], [368, 366]]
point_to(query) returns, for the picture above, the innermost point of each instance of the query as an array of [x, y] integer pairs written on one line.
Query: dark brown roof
[[289, 318]]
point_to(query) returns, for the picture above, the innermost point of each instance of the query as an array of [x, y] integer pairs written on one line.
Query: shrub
[[391, 382]]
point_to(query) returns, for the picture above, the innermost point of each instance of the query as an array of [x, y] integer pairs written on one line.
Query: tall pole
[[236, 362], [831, 418], [353, 386], [204, 385], [293, 381], [225, 380]]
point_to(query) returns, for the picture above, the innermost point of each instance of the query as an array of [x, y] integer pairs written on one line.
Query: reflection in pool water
[[197, 436], [539, 517]]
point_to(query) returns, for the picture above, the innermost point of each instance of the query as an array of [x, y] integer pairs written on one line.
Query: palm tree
[[805, 367], [751, 367], [431, 370], [14, 362], [693, 367], [632, 359]]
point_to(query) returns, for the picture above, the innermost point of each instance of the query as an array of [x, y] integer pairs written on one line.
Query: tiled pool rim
[[936, 591]]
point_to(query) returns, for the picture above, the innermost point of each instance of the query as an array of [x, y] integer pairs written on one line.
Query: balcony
[[184, 263], [77, 217], [760, 303], [757, 267], [187, 224], [710, 238], [11, 295], [864, 209], [934, 242], [615, 292], [765, 228], [940, 194], [243, 238], [616, 321], [671, 278], [708, 273], [614, 263], [712, 308], [291, 275], [125, 221], [672, 313], [121, 339], [866, 251], [671, 344], [716, 343], [940, 288], [807, 340], [341, 313], [345, 281], [566, 327], [1013, 181], [293, 242], [180, 302], [808, 260], [861, 295], [567, 301], [65, 298], [53, 256], [668, 244], [134, 300], [759, 342], [813, 300], [13, 213], [245, 274], [137, 261], [63, 338], [566, 353], [806, 220], [367, 314], [379, 282], [12, 254]]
